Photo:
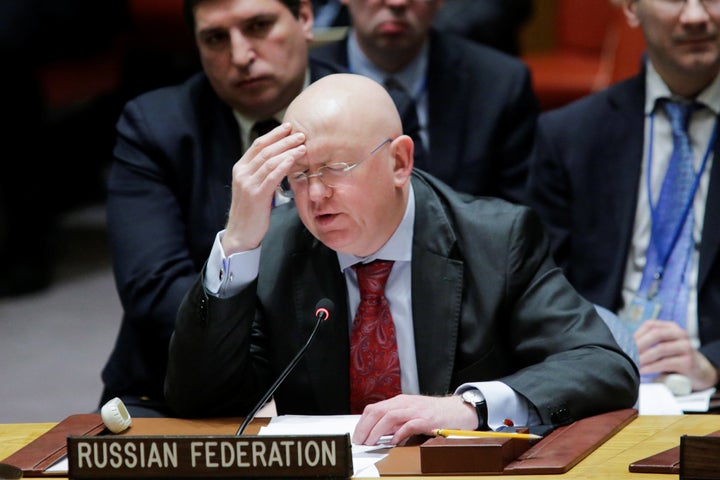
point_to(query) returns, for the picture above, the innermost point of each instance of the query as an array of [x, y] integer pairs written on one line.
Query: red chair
[[594, 48], [68, 84]]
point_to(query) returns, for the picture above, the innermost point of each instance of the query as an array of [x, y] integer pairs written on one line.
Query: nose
[[242, 50], [694, 11], [317, 190]]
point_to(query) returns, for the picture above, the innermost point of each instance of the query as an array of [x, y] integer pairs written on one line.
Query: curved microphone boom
[[322, 312]]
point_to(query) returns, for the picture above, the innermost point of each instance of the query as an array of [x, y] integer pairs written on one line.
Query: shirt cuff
[[503, 403], [228, 276]]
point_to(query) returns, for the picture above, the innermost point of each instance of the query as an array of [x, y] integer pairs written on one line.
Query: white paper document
[[657, 399], [696, 401], [364, 456]]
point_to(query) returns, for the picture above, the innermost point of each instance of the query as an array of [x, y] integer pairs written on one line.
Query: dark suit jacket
[[487, 300], [495, 23], [585, 174], [481, 113], [168, 196]]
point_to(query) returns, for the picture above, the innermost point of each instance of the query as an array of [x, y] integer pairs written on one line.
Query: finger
[[267, 156], [276, 168], [261, 175], [282, 130], [376, 421], [368, 419], [389, 425], [657, 331], [668, 356]]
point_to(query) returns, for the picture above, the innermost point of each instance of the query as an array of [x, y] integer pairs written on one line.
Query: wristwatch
[[475, 398]]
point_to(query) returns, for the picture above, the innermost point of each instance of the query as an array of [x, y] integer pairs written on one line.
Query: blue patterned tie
[[672, 236]]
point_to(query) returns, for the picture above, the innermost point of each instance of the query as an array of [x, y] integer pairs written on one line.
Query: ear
[[402, 149], [630, 9], [306, 19]]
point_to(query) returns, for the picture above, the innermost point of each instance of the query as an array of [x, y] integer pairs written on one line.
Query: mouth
[[325, 220], [393, 27], [252, 82], [696, 41]]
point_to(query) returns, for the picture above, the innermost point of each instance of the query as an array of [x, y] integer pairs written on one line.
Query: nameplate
[[201, 456], [699, 458]]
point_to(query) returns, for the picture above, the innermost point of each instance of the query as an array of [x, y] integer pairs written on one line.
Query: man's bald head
[[345, 104], [357, 165]]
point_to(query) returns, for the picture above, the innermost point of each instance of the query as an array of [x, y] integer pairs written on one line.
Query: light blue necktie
[[671, 244]]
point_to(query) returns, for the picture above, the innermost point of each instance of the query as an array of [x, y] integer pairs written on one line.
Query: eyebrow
[[259, 17]]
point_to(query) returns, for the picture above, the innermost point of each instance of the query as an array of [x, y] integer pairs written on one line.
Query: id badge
[[640, 309]]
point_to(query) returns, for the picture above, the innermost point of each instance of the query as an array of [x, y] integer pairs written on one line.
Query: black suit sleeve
[[215, 335]]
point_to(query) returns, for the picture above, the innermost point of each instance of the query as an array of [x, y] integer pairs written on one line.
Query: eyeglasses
[[677, 6], [330, 174]]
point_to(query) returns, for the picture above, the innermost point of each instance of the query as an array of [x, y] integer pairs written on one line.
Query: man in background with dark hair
[[169, 187]]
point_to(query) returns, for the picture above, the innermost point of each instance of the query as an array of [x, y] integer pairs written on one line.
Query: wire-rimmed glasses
[[330, 174]]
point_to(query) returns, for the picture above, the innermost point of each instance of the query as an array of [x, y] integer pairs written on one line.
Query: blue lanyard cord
[[663, 257]]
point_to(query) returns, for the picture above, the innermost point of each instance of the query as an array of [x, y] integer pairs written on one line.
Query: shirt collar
[[398, 248], [412, 77], [656, 89]]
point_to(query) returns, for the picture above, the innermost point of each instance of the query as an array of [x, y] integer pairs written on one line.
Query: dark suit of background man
[[169, 187], [476, 107], [590, 175], [495, 23], [475, 298]]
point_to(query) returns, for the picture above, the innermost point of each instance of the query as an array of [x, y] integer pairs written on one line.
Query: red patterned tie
[[374, 362]]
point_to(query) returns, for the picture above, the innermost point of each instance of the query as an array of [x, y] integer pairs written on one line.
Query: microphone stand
[[321, 315]]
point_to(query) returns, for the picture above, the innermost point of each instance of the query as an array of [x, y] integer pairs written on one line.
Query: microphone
[[322, 312]]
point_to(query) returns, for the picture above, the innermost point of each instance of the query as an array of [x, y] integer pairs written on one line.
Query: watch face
[[473, 396]]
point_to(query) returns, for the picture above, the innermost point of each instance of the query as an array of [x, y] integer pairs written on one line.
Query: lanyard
[[663, 257]]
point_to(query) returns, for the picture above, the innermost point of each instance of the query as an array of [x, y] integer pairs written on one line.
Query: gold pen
[[443, 432]]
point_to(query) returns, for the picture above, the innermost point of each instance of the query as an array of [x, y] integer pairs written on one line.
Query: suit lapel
[[622, 164], [437, 285], [711, 228], [445, 76]]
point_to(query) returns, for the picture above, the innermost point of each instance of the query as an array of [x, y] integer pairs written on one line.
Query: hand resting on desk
[[405, 415]]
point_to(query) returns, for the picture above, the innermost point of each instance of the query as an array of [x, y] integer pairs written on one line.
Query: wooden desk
[[645, 436]]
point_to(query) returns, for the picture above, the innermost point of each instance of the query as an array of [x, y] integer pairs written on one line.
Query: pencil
[[443, 432]]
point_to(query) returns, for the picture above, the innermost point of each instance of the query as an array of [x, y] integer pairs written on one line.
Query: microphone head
[[323, 308]]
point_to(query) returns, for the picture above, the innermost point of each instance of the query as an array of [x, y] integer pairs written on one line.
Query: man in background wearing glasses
[[475, 301], [598, 176]]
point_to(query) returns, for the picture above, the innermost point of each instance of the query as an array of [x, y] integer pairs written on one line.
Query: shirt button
[[220, 275]]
